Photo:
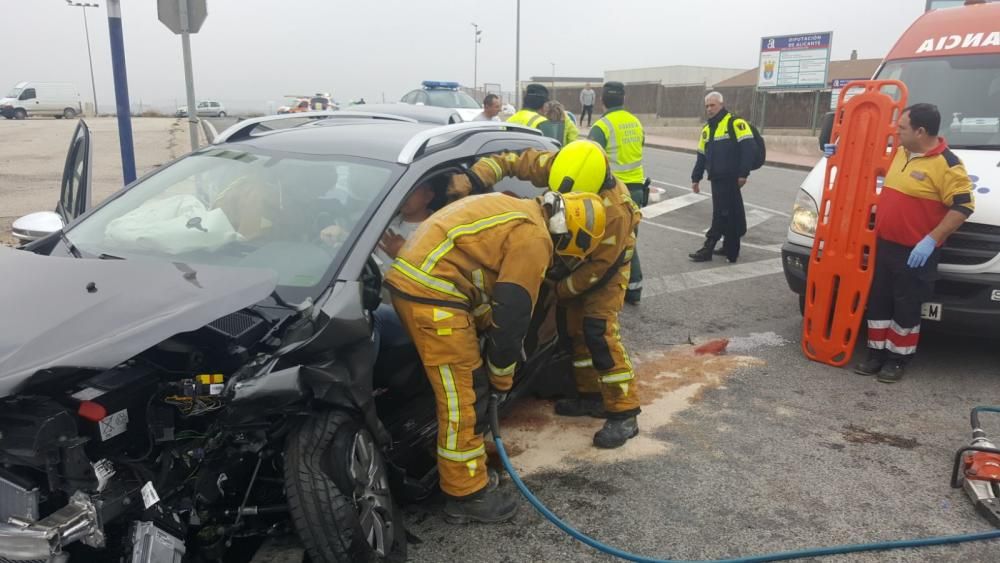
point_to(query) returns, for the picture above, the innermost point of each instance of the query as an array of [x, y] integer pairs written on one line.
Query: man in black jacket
[[726, 151]]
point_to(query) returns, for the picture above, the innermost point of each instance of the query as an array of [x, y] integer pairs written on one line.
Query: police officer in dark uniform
[[728, 162]]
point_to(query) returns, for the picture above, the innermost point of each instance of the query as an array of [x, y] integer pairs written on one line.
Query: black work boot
[[490, 504], [872, 364], [633, 296], [892, 371], [703, 254], [616, 432], [587, 404]]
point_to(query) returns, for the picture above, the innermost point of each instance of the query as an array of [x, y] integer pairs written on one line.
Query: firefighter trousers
[[601, 363], [448, 344]]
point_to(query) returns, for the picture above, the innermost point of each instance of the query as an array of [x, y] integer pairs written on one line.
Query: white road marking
[[706, 192], [674, 283], [756, 217], [767, 247], [671, 204]]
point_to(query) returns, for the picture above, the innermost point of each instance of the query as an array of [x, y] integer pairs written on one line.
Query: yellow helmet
[[580, 166], [576, 222]]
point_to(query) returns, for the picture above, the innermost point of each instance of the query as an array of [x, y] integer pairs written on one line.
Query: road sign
[[837, 86], [794, 61], [169, 12]]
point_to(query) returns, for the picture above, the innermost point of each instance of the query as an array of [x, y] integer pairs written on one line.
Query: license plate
[[931, 311]]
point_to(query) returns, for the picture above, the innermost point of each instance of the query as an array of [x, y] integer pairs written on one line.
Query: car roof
[[424, 114], [376, 137]]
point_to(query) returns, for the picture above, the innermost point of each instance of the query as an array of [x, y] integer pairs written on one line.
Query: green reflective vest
[[527, 117], [624, 135]]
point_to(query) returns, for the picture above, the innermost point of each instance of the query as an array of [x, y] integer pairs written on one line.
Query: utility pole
[[121, 90], [553, 78], [86, 31], [517, 60], [475, 58], [188, 75]]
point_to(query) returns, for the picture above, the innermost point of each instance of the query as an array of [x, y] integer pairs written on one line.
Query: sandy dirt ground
[[33, 153]]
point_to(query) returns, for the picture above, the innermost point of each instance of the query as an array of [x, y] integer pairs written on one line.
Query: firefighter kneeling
[[475, 268]]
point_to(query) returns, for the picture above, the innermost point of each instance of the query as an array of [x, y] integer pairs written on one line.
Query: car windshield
[[966, 89], [290, 213], [451, 99], [14, 93]]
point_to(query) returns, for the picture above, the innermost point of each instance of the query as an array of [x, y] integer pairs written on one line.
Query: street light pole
[[517, 60], [475, 59], [86, 31], [553, 78]]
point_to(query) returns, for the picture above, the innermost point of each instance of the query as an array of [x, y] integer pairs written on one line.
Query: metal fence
[[785, 110]]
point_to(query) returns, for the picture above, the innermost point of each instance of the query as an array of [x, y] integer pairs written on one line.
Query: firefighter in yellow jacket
[[473, 268], [592, 295]]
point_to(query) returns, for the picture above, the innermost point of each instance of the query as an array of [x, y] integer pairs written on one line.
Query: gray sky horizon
[[251, 52]]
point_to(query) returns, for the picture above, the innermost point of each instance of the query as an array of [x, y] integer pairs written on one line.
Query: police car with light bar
[[445, 95]]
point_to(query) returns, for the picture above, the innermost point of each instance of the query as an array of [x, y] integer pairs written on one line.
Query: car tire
[[69, 113], [222, 114], [337, 486], [19, 114]]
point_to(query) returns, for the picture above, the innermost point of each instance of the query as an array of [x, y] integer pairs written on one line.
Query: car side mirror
[[38, 225], [825, 130]]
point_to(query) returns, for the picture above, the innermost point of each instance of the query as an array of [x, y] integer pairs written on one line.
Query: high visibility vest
[[527, 117], [624, 135]]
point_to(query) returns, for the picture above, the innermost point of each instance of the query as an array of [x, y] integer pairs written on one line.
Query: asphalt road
[[768, 452]]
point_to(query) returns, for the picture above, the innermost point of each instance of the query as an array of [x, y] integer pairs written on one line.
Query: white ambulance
[[951, 58]]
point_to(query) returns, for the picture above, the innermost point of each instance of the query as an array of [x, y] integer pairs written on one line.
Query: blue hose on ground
[[780, 556]]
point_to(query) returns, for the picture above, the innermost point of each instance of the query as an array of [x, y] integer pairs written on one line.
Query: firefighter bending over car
[[591, 296], [475, 268]]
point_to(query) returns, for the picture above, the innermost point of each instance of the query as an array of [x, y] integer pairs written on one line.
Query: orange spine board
[[842, 261]]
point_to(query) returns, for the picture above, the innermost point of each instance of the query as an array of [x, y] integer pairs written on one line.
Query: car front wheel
[[19, 113], [338, 492]]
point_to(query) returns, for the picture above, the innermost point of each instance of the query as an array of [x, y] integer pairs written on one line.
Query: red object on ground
[[713, 347], [842, 261], [983, 466]]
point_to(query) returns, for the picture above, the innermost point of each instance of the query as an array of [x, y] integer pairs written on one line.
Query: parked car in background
[[55, 99], [444, 95], [205, 109]]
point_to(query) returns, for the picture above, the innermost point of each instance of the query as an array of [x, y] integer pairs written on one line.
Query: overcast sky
[[250, 52]]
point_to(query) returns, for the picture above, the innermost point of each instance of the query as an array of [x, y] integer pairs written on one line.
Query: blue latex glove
[[829, 149], [921, 252]]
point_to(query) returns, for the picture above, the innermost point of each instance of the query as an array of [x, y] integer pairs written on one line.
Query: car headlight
[[804, 215]]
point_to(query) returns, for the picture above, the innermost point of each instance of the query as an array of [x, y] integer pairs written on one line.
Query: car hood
[[7, 101], [73, 312], [469, 114]]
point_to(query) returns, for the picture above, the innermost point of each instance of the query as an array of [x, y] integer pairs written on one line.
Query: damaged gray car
[[190, 368]]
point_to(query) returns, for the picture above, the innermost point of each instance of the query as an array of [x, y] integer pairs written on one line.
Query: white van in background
[[949, 57], [56, 99]]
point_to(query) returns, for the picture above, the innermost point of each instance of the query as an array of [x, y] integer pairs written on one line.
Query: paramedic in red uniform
[[927, 195]]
